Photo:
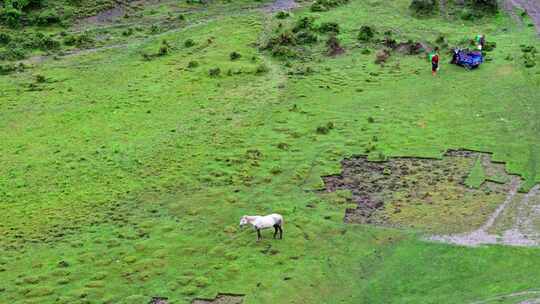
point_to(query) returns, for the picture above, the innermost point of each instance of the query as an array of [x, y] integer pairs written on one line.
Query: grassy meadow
[[124, 178]]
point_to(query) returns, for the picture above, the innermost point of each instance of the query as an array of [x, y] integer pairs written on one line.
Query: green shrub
[[284, 52], [484, 6], [40, 78], [83, 40], [155, 29], [235, 56], [366, 33], [163, 50], [262, 69], [317, 6], [467, 14], [5, 38], [282, 15], [306, 37], [322, 130], [214, 72], [47, 17], [305, 23], [528, 49], [325, 5], [13, 51], [8, 69], [11, 17], [423, 7], [189, 43], [192, 64], [127, 32], [489, 46], [329, 27]]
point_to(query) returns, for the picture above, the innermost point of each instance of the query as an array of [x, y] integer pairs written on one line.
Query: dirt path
[[496, 299], [281, 5], [522, 232], [531, 6]]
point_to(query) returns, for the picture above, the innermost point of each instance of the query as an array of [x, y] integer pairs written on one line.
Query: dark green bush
[[306, 37], [214, 72], [484, 6], [5, 38], [13, 51], [282, 15], [127, 32], [284, 52], [366, 33], [489, 46], [322, 130], [40, 78], [189, 43], [83, 40], [467, 14], [262, 69], [234, 56], [7, 69], [11, 17], [528, 49], [47, 17], [423, 7], [325, 5], [329, 27], [306, 23], [192, 64]]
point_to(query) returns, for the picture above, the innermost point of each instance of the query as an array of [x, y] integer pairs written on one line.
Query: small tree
[[423, 7], [489, 6]]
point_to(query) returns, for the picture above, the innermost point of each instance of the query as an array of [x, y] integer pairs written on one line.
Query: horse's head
[[244, 221]]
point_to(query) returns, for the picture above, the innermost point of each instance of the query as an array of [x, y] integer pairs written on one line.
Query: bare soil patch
[[532, 8], [221, 299], [428, 194], [281, 5]]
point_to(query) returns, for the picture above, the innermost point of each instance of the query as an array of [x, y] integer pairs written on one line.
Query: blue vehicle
[[467, 59]]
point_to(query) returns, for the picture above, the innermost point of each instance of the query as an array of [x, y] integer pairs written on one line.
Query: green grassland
[[124, 178]]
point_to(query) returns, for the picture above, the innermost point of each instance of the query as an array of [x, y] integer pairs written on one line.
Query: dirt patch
[[221, 299], [411, 48], [105, 17], [429, 194], [532, 7], [281, 5], [159, 300]]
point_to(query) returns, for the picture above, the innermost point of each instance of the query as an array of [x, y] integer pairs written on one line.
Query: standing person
[[435, 62], [480, 41]]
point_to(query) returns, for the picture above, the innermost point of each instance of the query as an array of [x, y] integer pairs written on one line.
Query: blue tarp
[[468, 59]]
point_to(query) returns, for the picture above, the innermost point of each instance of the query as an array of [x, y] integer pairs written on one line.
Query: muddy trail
[[522, 232], [521, 297], [532, 8], [221, 299], [281, 5]]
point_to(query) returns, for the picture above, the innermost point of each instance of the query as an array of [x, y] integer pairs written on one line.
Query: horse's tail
[[281, 221]]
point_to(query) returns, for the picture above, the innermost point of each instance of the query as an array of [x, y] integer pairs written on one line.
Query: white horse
[[263, 222]]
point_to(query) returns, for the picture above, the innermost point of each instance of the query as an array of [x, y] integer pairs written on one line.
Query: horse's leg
[[259, 235], [280, 233], [275, 230]]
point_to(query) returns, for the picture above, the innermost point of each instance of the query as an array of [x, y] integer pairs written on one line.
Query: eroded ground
[[465, 195], [452, 194], [221, 299]]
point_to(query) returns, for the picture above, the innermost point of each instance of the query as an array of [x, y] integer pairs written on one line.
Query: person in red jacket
[[435, 62]]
